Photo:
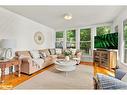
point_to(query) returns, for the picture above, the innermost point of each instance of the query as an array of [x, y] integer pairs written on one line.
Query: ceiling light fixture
[[68, 16]]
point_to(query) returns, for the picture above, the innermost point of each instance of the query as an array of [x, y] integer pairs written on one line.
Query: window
[[59, 39], [85, 41], [71, 38], [103, 30], [125, 41]]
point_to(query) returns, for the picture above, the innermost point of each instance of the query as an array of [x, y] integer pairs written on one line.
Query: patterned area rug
[[81, 78]]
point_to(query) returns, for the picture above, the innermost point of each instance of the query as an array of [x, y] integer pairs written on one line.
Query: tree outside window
[[71, 38], [85, 41], [103, 30], [59, 39], [125, 41]]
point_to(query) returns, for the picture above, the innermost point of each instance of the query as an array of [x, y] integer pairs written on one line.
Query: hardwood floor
[[12, 80], [103, 71]]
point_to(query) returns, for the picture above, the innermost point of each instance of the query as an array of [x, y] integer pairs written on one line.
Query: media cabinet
[[106, 59]]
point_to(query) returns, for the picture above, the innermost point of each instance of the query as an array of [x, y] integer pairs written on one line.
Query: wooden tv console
[[105, 59]]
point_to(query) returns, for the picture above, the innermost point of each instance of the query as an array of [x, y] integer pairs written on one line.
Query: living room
[[58, 45]]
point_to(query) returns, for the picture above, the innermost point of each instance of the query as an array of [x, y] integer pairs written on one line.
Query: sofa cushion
[[107, 82], [58, 51], [37, 62], [46, 51], [35, 54], [52, 51]]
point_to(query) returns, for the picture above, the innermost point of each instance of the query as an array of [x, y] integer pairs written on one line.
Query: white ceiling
[[52, 16]]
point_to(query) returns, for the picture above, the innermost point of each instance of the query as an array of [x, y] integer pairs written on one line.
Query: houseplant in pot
[[67, 53]]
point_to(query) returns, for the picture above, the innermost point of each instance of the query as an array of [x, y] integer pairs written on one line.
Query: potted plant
[[67, 53]]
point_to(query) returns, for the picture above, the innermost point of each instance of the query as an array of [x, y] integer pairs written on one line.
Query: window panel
[[85, 41], [59, 39], [103, 30], [85, 34], [125, 55], [125, 40], [85, 48], [71, 39]]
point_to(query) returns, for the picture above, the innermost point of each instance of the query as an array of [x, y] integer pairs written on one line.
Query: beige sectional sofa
[[30, 65], [33, 61]]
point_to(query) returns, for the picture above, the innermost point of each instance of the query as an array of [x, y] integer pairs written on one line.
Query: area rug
[[81, 78]]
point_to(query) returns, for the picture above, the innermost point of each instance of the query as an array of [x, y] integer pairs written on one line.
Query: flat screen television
[[108, 41]]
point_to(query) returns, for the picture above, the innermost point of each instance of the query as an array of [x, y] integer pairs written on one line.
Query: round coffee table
[[63, 65]]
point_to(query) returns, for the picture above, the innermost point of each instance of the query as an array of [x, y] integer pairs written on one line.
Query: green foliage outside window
[[85, 45], [85, 34], [125, 35], [59, 39], [103, 30], [85, 41], [59, 34], [71, 35]]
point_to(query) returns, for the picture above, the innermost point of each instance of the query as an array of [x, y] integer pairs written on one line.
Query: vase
[[67, 58]]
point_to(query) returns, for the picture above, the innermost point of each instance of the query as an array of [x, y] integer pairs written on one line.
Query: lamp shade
[[7, 43]]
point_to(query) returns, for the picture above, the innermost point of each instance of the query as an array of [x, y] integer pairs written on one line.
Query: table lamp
[[7, 45]]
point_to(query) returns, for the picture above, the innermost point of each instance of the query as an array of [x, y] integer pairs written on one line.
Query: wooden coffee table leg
[[2, 74]]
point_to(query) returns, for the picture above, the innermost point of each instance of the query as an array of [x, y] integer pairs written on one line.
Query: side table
[[9, 64]]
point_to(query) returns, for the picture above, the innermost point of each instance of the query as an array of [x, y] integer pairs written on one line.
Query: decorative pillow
[[52, 51], [124, 78], [58, 51], [43, 55], [35, 54], [46, 52]]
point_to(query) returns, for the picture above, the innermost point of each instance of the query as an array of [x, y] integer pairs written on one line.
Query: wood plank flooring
[[12, 80]]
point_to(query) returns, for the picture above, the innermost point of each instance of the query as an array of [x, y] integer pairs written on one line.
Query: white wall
[[119, 21], [21, 29]]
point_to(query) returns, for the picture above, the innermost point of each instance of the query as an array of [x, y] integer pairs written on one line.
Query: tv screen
[[108, 41]]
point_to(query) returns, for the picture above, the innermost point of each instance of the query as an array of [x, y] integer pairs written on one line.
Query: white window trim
[[93, 33]]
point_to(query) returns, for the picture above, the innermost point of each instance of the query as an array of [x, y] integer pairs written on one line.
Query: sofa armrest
[[26, 60]]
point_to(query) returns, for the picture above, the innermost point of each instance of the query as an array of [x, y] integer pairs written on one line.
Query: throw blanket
[[37, 62]]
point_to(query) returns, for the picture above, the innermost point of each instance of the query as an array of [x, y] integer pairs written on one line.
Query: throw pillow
[[35, 54], [58, 51], [46, 52], [43, 55], [52, 51]]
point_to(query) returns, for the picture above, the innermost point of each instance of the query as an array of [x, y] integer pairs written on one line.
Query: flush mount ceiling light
[[68, 16]]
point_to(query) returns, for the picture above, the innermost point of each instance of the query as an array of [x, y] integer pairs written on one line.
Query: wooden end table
[[9, 64]]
